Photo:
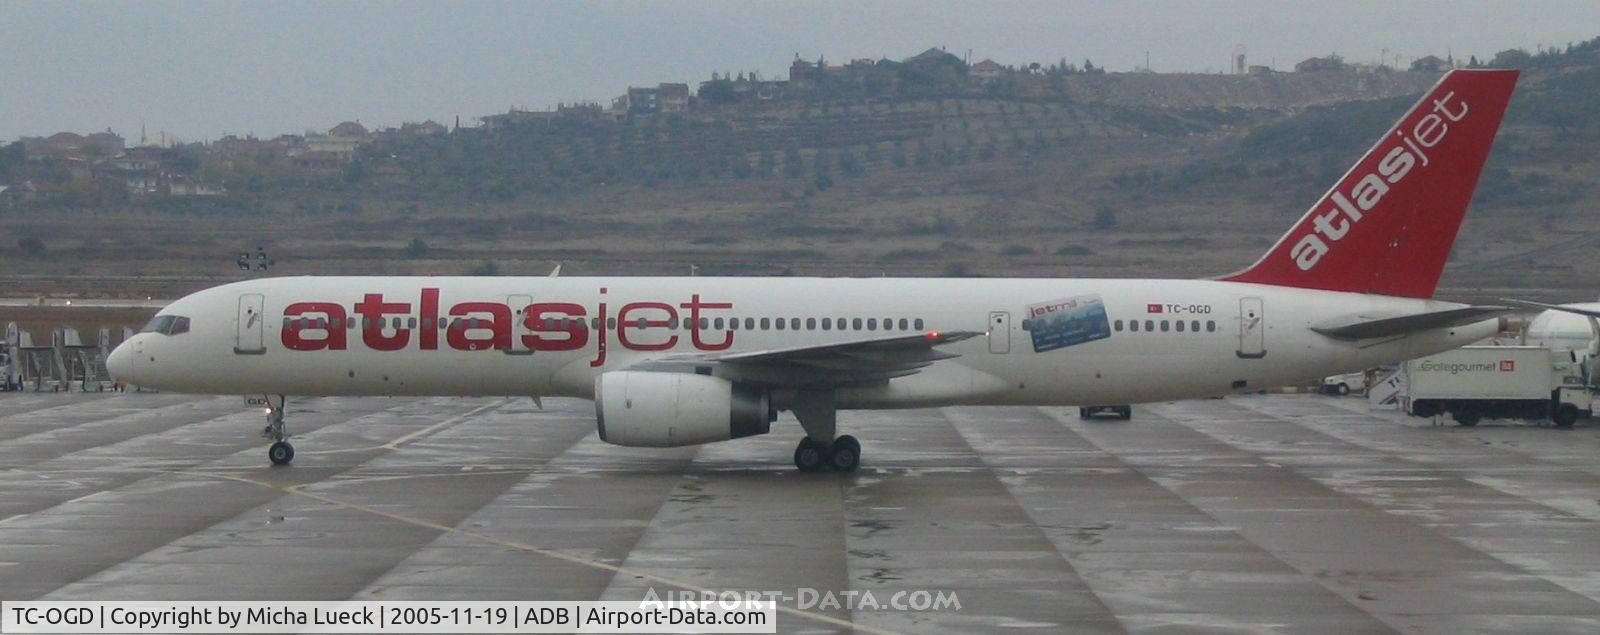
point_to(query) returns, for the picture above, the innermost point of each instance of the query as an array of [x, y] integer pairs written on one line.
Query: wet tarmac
[[1281, 513]]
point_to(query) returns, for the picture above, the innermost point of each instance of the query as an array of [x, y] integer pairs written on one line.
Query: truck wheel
[[1424, 409], [1467, 418], [1342, 389], [1566, 414]]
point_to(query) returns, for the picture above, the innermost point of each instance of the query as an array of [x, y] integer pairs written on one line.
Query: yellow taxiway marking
[[296, 490], [395, 444]]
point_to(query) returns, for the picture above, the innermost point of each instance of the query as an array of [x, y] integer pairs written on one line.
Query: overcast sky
[[202, 69]]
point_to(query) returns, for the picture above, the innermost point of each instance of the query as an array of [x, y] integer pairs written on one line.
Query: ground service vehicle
[[1520, 382]]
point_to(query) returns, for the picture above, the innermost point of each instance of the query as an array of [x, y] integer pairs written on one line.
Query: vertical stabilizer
[[1388, 225]]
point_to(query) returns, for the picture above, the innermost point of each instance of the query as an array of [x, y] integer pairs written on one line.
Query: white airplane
[[681, 361]]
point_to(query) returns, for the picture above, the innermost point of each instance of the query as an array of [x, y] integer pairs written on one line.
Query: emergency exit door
[[251, 338], [1252, 329], [999, 332]]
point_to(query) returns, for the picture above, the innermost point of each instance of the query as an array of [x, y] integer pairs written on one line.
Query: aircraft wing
[[1360, 326], [826, 365]]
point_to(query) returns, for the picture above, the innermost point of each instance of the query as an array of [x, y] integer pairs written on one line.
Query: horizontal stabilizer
[[1364, 326], [1554, 307]]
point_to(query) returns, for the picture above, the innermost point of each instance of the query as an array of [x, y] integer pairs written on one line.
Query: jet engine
[[661, 410]]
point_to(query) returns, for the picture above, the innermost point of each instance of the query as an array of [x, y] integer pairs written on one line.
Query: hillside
[[1079, 175]]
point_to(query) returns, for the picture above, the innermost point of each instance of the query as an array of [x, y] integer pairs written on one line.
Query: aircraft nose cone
[[120, 363]]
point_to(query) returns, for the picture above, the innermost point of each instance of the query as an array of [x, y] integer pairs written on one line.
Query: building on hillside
[[1430, 64], [672, 97], [931, 58], [95, 145], [1257, 69], [341, 140], [639, 101], [351, 129], [428, 127], [516, 117], [319, 161], [1320, 64], [803, 73], [987, 70]]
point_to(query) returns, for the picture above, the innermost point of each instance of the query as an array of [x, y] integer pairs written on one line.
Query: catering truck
[[1513, 382]]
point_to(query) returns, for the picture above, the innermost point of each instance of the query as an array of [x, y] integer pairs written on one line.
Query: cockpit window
[[167, 325]]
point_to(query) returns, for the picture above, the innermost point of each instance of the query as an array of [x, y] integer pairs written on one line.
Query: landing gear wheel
[[845, 455], [1341, 389], [809, 455], [1126, 412], [281, 453], [1467, 418]]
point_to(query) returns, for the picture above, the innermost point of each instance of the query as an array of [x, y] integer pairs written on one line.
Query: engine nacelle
[[663, 410]]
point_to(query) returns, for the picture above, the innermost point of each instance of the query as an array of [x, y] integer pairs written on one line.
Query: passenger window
[[733, 324], [766, 324], [905, 325], [1195, 326], [611, 323], [919, 324], [749, 324], [794, 324], [855, 324], [286, 320], [872, 324], [1180, 326], [705, 324], [779, 323], [827, 324], [1211, 326], [411, 323], [643, 324], [1133, 326], [1117, 325], [811, 324], [1164, 326], [1149, 326]]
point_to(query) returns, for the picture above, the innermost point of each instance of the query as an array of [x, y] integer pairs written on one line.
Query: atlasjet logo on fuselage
[[491, 325], [1330, 226]]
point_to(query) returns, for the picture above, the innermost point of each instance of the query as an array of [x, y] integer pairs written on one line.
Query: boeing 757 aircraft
[[682, 361]]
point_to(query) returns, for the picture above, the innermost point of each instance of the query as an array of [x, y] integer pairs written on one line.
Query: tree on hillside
[[766, 163], [793, 166]]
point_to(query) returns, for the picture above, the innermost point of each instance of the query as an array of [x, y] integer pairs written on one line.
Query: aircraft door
[[251, 339], [1252, 329], [519, 324], [999, 332]]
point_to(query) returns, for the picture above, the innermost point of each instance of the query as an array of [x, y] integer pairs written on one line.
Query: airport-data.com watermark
[[813, 599]]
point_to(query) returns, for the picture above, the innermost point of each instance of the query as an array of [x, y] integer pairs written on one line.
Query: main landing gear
[[818, 414], [280, 453], [843, 455]]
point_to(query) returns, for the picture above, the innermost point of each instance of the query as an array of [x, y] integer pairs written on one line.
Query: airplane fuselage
[[1044, 342]]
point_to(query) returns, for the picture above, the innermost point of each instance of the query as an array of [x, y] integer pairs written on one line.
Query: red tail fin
[[1388, 225]]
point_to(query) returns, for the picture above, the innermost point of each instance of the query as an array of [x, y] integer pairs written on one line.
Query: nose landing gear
[[280, 453]]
